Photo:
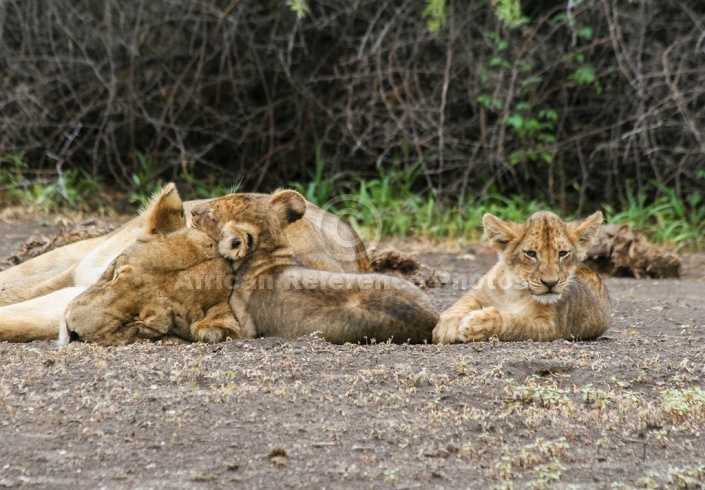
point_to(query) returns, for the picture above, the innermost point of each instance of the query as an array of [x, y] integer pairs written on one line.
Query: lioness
[[275, 295], [537, 290], [34, 294]]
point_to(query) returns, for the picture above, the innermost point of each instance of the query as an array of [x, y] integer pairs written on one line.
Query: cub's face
[[235, 222], [244, 223], [543, 252]]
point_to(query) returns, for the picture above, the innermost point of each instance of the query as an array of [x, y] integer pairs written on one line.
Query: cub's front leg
[[447, 328], [240, 304], [483, 324]]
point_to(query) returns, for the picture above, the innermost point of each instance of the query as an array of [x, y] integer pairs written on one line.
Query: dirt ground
[[624, 411]]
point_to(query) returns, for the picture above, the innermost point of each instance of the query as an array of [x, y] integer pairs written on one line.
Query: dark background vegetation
[[576, 103]]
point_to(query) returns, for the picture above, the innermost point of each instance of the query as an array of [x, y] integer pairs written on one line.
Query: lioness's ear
[[585, 231], [289, 205], [165, 212], [499, 232]]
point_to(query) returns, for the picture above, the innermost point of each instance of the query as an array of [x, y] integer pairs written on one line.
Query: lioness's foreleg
[[35, 319], [44, 274], [35, 286]]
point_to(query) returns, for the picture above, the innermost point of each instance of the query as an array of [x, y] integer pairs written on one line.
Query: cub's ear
[[585, 230], [165, 212], [499, 232], [289, 205]]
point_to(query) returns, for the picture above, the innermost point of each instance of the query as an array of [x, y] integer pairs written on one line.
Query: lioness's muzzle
[[73, 336]]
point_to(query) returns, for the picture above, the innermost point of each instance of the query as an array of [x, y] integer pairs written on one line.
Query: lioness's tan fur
[[537, 290], [35, 293], [142, 294], [275, 295]]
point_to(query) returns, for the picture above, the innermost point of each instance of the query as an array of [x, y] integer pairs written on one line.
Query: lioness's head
[[542, 253], [170, 282], [244, 223]]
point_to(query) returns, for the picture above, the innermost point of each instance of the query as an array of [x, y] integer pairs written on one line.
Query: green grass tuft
[[395, 202], [391, 203], [666, 219]]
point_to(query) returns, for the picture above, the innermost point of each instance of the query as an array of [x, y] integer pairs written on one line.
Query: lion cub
[[537, 290], [274, 295]]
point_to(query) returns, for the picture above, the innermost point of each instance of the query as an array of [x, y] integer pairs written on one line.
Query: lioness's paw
[[219, 324], [480, 325]]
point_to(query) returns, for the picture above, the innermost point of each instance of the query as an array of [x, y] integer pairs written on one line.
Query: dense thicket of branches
[[572, 105]]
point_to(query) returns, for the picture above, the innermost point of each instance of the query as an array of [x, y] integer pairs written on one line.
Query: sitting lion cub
[[537, 290], [275, 296]]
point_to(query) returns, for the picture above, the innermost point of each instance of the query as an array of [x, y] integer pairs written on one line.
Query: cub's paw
[[480, 325], [446, 331]]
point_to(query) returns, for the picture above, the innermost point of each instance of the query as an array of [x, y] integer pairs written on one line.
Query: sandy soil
[[625, 411]]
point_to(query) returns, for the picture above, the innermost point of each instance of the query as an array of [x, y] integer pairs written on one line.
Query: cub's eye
[[236, 243], [563, 253], [530, 253]]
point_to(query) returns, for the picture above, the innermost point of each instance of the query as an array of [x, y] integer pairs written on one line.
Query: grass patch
[[395, 202], [540, 461], [665, 219], [392, 205], [537, 394], [67, 189], [680, 405], [74, 189], [687, 476]]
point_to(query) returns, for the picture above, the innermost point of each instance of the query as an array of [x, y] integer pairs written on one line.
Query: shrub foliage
[[571, 102]]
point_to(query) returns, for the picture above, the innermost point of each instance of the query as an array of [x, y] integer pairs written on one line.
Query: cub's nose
[[199, 214], [198, 219], [550, 283]]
